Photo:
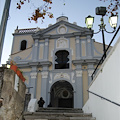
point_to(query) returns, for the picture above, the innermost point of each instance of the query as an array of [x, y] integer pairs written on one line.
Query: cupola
[[64, 18]]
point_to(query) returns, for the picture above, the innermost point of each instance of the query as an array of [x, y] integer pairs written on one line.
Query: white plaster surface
[[106, 84], [32, 106]]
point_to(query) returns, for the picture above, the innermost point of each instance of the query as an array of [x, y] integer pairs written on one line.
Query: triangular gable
[[52, 29]]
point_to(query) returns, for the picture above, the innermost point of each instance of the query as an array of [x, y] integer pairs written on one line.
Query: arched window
[[61, 61], [23, 45]]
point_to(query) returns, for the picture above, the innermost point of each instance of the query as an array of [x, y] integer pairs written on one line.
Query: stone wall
[[13, 101]]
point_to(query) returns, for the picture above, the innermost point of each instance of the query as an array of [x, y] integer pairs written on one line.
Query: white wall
[[107, 84]]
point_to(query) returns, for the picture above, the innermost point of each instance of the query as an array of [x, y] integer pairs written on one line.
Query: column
[[78, 51], [46, 49], [78, 103], [35, 50], [90, 72], [33, 81]]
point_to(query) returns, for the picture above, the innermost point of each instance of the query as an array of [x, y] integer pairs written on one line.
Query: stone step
[[58, 114], [57, 118], [69, 110], [82, 118]]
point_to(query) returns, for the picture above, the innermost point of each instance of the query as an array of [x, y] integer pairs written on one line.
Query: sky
[[75, 10]]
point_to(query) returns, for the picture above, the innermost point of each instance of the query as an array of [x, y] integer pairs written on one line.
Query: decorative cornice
[[77, 33], [47, 36], [33, 63], [22, 33], [28, 64], [45, 63], [86, 61], [67, 35]]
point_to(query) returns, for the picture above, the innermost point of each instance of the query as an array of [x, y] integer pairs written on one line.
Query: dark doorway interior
[[65, 103], [62, 59], [62, 94]]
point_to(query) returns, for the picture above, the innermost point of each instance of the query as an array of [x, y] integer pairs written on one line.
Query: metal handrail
[[103, 57], [104, 98]]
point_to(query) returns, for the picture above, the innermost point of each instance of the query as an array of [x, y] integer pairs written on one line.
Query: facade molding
[[45, 63], [61, 75], [33, 75], [90, 72], [85, 61], [79, 73], [44, 74]]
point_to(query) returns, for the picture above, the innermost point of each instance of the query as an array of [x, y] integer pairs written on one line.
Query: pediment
[[61, 27]]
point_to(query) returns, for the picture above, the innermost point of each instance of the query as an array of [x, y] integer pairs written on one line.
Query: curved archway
[[62, 94]]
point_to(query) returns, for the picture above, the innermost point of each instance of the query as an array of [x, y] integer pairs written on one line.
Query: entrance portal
[[62, 94]]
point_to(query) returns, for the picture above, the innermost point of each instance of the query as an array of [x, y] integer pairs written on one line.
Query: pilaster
[[44, 86], [78, 51], [33, 81], [44, 81], [35, 50], [89, 47], [90, 71], [78, 103], [46, 49]]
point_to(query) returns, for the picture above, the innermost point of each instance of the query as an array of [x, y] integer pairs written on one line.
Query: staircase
[[58, 114]]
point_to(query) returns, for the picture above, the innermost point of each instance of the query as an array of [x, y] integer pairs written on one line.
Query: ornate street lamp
[[89, 21], [112, 20]]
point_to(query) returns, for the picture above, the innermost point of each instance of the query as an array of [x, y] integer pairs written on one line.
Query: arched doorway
[[62, 94]]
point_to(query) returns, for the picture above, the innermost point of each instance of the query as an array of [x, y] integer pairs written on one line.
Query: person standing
[[41, 102]]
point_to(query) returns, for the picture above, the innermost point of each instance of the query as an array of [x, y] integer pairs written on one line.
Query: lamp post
[[112, 20]]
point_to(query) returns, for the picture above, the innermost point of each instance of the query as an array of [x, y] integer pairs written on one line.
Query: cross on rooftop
[[62, 14]]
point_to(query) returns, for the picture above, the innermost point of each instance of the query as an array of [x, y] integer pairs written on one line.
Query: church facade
[[57, 62]]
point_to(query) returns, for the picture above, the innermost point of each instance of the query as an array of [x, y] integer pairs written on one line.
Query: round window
[[62, 29], [65, 93]]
